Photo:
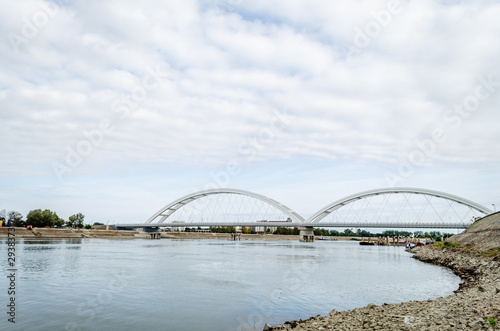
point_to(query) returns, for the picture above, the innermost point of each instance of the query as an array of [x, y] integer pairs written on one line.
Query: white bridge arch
[[327, 210], [164, 213], [161, 218]]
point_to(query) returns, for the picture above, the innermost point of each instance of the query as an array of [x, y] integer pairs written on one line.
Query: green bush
[[445, 244]]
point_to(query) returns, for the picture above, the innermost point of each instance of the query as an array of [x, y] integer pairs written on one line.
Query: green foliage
[[76, 221], [12, 218], [246, 229], [492, 252], [436, 235], [493, 323], [321, 232], [39, 218], [15, 219], [445, 244], [88, 226], [348, 233], [98, 223], [221, 229], [392, 233], [286, 231]]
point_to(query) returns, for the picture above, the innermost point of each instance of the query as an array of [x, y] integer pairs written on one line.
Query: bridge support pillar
[[235, 236], [155, 235], [306, 234]]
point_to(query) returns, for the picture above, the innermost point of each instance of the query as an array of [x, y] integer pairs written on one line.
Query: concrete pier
[[155, 235], [306, 234], [235, 236]]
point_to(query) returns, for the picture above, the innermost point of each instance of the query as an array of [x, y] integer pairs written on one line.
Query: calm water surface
[[98, 284]]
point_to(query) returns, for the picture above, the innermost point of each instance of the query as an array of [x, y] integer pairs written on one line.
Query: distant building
[[178, 228], [267, 225]]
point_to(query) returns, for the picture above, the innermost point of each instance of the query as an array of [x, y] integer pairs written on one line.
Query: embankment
[[483, 235], [21, 232]]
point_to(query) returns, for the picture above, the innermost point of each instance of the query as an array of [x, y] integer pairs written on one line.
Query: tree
[[76, 221], [436, 235], [246, 229], [321, 232], [2, 215], [59, 222], [286, 231], [222, 229], [348, 233], [39, 218], [15, 219]]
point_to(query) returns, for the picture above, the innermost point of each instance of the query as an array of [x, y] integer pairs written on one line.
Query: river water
[[99, 284]]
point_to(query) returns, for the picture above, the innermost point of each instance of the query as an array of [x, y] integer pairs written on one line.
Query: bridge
[[399, 208]]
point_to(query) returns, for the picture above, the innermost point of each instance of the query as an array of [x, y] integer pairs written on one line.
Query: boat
[[368, 243]]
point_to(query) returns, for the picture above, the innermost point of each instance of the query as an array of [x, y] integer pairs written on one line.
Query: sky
[[116, 108]]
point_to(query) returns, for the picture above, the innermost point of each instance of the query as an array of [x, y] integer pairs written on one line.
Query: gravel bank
[[470, 308]]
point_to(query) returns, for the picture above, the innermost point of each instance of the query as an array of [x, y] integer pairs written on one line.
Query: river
[[112, 284]]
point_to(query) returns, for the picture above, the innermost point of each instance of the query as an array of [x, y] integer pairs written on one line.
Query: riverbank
[[21, 232], [473, 255], [476, 300]]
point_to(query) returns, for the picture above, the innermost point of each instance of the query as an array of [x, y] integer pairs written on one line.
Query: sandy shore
[[470, 308]]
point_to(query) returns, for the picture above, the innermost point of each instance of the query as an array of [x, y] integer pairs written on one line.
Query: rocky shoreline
[[474, 306]]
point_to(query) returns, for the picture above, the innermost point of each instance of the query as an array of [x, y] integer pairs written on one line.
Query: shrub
[[445, 244]]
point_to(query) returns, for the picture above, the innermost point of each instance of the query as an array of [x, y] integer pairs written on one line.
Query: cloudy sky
[[115, 108]]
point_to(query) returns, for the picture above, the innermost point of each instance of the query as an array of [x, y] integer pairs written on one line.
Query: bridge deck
[[419, 225]]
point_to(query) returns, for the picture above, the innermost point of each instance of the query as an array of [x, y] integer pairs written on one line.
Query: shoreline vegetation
[[473, 255]]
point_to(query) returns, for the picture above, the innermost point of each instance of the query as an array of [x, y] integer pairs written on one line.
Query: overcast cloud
[[115, 108]]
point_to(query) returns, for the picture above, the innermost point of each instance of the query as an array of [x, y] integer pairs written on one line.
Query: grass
[[491, 252], [493, 323], [445, 244]]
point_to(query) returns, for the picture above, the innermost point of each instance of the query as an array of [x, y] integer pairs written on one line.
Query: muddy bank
[[470, 308]]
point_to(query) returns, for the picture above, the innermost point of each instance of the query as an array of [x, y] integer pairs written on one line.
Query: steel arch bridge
[[172, 207], [316, 220]]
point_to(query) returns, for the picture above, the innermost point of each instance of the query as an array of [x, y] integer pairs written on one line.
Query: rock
[[371, 306], [333, 312], [267, 327]]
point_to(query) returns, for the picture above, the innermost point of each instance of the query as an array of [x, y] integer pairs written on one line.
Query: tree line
[[436, 235], [42, 218]]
